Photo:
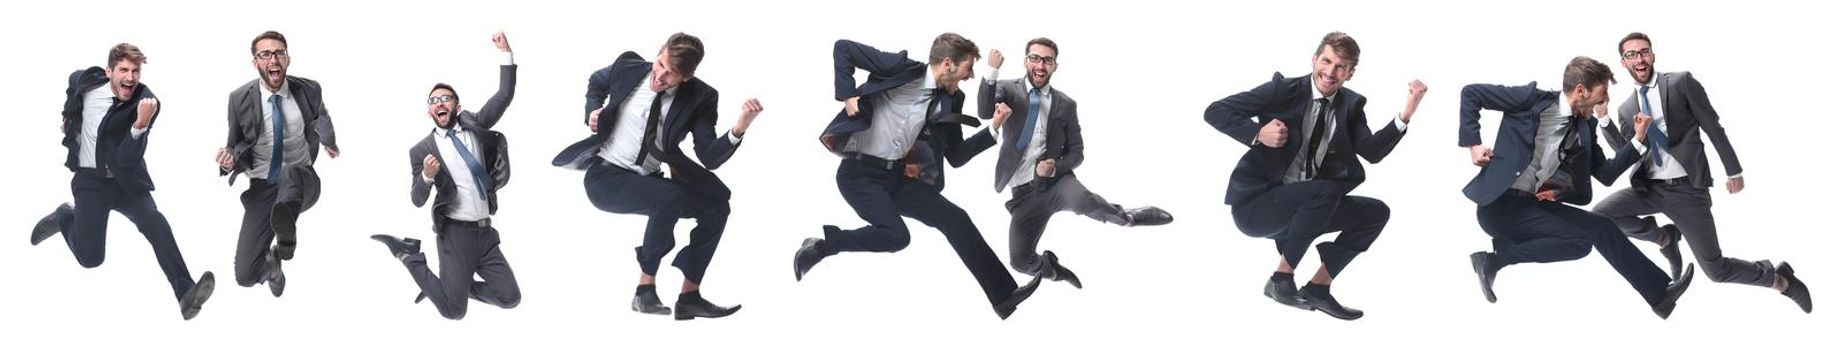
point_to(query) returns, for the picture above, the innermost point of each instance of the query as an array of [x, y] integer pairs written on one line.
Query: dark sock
[[646, 289], [1316, 289], [690, 296], [1282, 276]]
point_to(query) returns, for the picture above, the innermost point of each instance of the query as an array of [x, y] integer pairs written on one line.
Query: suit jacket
[[246, 126], [494, 153], [693, 112], [1687, 111], [1289, 100], [116, 149], [1062, 134], [942, 135], [1515, 145]]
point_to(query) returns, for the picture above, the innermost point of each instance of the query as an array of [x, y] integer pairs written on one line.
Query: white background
[[1143, 71]]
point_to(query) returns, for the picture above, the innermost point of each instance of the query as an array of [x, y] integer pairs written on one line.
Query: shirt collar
[[283, 91], [1315, 94]]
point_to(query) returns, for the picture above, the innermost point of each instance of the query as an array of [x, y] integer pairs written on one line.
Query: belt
[[873, 161], [483, 223], [1672, 182], [599, 161], [97, 172]]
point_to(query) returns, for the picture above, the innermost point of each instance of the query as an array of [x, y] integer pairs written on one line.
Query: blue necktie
[[275, 158], [1029, 121], [1659, 143], [473, 165]]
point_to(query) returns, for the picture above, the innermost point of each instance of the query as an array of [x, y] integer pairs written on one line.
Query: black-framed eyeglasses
[[272, 54], [441, 99], [1040, 59], [1635, 53]]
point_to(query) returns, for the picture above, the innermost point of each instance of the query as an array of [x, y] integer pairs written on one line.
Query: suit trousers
[[467, 249], [1687, 206], [86, 228], [1524, 229], [297, 191], [1033, 203], [1293, 215], [882, 196], [617, 190]]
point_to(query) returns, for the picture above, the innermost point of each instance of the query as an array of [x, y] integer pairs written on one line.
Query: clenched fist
[[1273, 134], [430, 166]]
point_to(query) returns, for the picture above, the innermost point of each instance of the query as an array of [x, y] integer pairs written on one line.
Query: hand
[[1045, 168], [224, 160], [850, 106], [1734, 185], [1642, 123], [750, 110], [1273, 134], [1547, 195], [498, 40], [594, 120], [1480, 155], [996, 59], [1002, 114], [430, 166], [144, 113], [332, 152], [912, 170], [1599, 111], [1415, 91]]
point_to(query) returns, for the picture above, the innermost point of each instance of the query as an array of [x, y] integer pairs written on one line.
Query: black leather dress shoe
[[1667, 305], [49, 225], [1147, 216], [1009, 304], [1329, 305], [276, 280], [1054, 271], [281, 218], [1793, 287], [1486, 273], [807, 257], [646, 301], [1673, 251], [689, 308], [1285, 292], [194, 299], [399, 247]]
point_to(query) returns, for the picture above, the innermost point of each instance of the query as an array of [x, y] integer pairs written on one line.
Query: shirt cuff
[[1641, 148], [1735, 176], [1605, 122], [137, 132], [732, 137], [991, 73], [426, 180], [1400, 124], [506, 60]]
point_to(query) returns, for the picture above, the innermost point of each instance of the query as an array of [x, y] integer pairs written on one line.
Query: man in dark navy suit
[[1304, 135], [637, 129], [893, 136], [1545, 158], [107, 117]]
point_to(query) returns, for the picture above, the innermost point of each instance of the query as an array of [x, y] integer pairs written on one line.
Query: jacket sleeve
[[501, 100], [1477, 97], [1703, 110], [712, 150], [848, 56], [1236, 114]]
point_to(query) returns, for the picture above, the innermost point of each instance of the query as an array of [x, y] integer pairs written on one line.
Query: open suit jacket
[[493, 152], [246, 126], [116, 150], [693, 111], [1289, 100], [1062, 134]]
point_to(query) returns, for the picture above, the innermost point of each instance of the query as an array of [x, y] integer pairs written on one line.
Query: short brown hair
[[444, 86], [126, 52], [267, 36], [1586, 71], [685, 51], [951, 45], [1045, 42], [1343, 44], [1629, 38]]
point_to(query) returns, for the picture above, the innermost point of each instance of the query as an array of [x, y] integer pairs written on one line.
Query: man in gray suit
[[1037, 158], [1673, 177], [277, 124], [467, 161]]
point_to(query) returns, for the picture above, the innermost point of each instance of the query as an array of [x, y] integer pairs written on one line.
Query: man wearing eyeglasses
[[893, 134], [466, 162], [277, 124], [107, 120], [1673, 177], [1037, 158], [1293, 192], [647, 109]]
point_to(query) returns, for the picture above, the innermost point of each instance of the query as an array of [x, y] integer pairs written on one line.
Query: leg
[[1689, 209], [1522, 232], [918, 201], [450, 290], [141, 210], [297, 191], [1625, 207], [1643, 275], [1292, 215], [1360, 219], [86, 229], [497, 285], [712, 218], [619, 191], [869, 192], [256, 234], [1030, 213], [1074, 197]]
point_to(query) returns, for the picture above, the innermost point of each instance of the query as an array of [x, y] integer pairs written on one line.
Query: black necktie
[[652, 122], [1317, 137]]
